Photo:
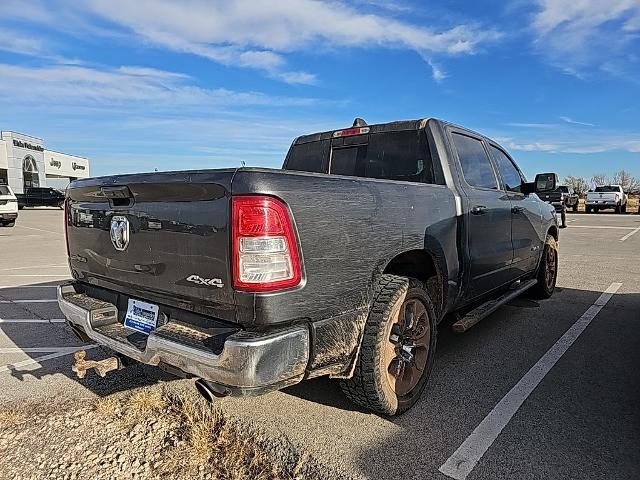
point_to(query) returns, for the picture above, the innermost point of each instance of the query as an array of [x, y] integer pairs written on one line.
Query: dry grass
[[11, 418], [222, 446], [146, 402], [201, 440], [107, 406]]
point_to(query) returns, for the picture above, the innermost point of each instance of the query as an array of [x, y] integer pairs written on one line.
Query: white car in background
[[606, 196], [8, 207]]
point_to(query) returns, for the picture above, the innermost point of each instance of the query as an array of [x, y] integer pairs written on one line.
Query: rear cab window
[[401, 155], [4, 190]]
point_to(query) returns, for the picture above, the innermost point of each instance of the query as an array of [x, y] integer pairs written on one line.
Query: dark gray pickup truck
[[343, 263]]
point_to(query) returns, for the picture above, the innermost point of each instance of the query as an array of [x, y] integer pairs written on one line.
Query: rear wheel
[[575, 208], [618, 208], [398, 348], [587, 209], [547, 271], [624, 208]]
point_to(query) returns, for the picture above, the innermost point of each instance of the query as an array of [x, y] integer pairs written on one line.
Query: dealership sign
[[30, 146]]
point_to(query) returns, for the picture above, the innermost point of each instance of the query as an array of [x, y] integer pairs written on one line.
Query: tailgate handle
[[119, 196]]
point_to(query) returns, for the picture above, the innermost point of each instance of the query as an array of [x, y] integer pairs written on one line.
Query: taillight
[[264, 243], [66, 220]]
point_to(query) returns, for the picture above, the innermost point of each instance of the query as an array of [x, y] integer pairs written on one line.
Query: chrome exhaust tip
[[209, 391]]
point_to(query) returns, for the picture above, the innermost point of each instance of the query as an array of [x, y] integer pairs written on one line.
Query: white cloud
[[436, 72], [83, 85], [575, 122], [576, 35], [260, 34], [14, 42]]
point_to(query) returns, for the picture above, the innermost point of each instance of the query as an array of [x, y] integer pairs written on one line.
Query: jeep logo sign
[[55, 163]]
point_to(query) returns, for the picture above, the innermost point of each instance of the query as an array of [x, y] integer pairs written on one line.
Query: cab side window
[[476, 166], [508, 171]]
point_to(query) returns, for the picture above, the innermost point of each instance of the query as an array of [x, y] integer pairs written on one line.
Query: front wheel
[[547, 274], [575, 208], [398, 347], [618, 208]]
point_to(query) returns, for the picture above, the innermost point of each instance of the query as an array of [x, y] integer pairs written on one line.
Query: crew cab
[[606, 196], [40, 197], [342, 263], [563, 197], [8, 207]]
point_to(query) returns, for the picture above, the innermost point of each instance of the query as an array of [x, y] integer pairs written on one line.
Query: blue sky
[[205, 83]]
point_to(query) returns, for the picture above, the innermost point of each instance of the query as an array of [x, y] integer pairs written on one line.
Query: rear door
[[525, 213], [488, 216]]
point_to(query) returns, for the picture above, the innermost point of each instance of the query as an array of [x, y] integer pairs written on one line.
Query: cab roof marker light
[[351, 131]]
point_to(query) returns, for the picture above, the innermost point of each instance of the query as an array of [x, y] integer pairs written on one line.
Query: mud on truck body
[[342, 263]]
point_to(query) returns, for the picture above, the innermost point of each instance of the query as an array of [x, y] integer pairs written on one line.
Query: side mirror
[[544, 182]]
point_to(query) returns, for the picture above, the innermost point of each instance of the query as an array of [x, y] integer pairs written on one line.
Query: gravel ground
[[153, 433]]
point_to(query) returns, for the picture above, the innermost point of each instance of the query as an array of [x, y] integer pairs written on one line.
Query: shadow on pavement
[[566, 428], [26, 336]]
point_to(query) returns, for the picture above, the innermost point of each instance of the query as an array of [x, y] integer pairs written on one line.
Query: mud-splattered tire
[[547, 271], [388, 378]]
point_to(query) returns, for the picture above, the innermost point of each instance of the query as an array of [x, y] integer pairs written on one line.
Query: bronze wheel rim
[[551, 267], [406, 350]]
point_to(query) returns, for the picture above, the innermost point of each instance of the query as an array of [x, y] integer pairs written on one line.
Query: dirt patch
[[151, 433]]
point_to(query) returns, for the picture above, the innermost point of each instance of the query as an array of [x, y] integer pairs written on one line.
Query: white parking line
[[40, 230], [37, 360], [8, 350], [32, 275], [602, 226], [39, 300], [28, 286], [465, 458], [37, 266], [32, 320], [630, 234]]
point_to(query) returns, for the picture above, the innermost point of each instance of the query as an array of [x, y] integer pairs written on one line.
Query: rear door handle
[[517, 209], [479, 210]]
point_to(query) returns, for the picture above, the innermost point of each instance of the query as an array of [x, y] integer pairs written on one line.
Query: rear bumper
[[602, 204], [249, 362]]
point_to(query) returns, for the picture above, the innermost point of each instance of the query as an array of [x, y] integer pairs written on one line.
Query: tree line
[[581, 185]]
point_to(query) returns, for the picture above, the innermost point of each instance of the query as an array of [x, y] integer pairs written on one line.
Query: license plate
[[141, 316]]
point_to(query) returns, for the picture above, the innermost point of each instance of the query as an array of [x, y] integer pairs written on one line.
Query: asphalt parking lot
[[544, 389]]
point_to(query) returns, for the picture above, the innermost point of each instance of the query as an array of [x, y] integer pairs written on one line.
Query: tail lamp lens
[[265, 247], [66, 227]]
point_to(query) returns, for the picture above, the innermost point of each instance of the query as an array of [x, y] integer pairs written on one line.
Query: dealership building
[[24, 162]]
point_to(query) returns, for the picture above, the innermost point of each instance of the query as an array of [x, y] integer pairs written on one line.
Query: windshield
[[608, 188], [563, 189]]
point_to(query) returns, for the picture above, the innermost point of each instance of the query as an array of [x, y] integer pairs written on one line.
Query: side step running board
[[486, 309]]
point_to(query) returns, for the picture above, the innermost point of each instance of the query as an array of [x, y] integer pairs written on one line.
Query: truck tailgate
[[177, 246]]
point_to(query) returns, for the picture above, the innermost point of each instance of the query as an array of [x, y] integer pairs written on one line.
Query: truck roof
[[375, 128]]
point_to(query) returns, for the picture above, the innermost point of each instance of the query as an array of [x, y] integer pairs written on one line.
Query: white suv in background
[[8, 207]]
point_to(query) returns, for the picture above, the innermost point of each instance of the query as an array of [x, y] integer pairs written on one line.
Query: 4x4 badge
[[209, 282], [119, 232]]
